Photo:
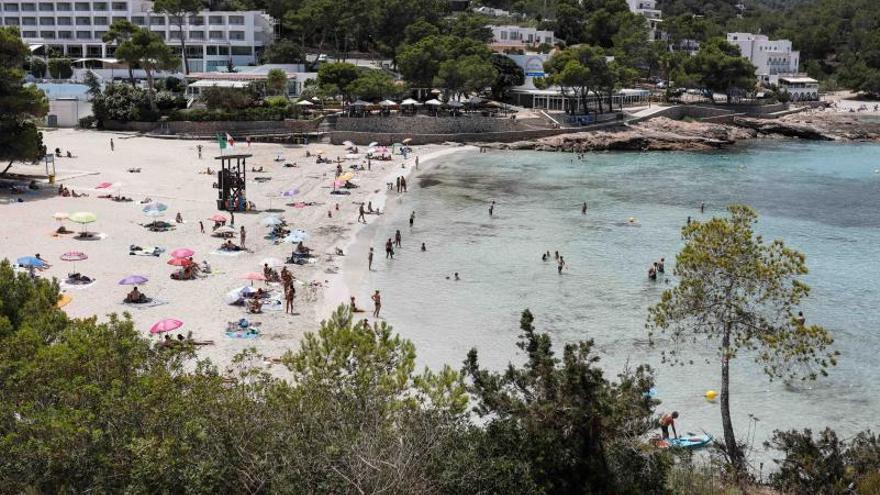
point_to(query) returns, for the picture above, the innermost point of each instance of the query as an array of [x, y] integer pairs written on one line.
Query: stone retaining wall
[[235, 128], [466, 124], [364, 138]]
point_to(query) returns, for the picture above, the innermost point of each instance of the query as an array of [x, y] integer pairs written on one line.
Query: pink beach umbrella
[[166, 325], [104, 185], [74, 256], [217, 218], [253, 276], [182, 253]]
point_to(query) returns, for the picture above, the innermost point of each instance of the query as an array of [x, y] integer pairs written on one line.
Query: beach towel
[[152, 304], [146, 251], [242, 335], [219, 252], [93, 236], [65, 285]]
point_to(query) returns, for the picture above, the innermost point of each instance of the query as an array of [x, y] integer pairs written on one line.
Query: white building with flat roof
[[648, 9], [771, 58], [800, 88], [520, 37], [75, 28]]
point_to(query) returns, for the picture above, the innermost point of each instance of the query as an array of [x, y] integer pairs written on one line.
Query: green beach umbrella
[[83, 218]]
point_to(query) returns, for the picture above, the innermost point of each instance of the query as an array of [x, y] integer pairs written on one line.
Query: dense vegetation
[[19, 104]]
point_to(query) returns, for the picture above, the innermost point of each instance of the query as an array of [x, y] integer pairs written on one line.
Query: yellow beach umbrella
[[83, 217]]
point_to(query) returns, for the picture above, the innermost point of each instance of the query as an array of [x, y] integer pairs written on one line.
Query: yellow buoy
[[711, 395]]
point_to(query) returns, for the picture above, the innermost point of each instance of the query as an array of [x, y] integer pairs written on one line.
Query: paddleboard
[[688, 441]]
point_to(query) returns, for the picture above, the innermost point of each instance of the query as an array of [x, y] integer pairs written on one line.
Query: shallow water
[[822, 199]]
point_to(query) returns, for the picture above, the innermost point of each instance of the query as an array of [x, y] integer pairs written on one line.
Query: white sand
[[170, 174]]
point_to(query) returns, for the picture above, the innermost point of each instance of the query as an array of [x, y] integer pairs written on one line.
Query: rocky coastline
[[663, 134]]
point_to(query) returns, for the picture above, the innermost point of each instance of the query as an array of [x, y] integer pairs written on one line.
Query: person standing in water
[[389, 249], [412, 218], [492, 208], [424, 248], [397, 239], [370, 260], [584, 208], [661, 266], [377, 303], [703, 207], [560, 265]]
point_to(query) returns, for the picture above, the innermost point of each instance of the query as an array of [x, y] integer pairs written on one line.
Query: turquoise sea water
[[823, 199]]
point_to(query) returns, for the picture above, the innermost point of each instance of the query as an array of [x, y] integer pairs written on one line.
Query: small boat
[[687, 441]]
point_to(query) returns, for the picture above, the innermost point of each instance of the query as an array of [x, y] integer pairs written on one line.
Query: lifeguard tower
[[231, 180]]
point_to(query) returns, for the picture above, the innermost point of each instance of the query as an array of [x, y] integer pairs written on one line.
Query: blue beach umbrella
[[155, 206], [297, 236], [27, 261]]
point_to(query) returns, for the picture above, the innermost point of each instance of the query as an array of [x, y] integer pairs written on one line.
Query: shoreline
[[352, 273]]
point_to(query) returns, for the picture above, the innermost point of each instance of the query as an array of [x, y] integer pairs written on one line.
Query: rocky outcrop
[[660, 134], [783, 128]]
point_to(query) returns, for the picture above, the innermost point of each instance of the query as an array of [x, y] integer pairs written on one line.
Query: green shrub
[[278, 102], [690, 479], [166, 100], [123, 102], [38, 68], [60, 68], [228, 98]]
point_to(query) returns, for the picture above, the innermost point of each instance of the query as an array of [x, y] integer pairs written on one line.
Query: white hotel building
[[771, 58], [648, 9], [75, 28]]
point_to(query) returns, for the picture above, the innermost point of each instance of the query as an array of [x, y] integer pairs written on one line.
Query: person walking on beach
[[492, 208], [584, 208], [403, 183], [369, 164], [389, 249], [370, 260], [361, 217], [397, 184], [112, 146], [201, 226], [397, 239], [417, 163], [377, 303], [560, 265], [243, 235], [289, 294], [231, 218], [412, 218]]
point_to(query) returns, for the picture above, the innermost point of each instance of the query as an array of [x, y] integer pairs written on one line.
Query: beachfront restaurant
[[553, 100]]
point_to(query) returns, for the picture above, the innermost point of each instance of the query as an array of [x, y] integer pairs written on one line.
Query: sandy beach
[[172, 173]]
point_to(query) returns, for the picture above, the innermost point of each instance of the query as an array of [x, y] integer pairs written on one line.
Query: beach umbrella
[[407, 141], [272, 262], [296, 237], [359, 103], [29, 261], [104, 185], [235, 295], [182, 253], [434, 102], [217, 218], [304, 103], [347, 143], [374, 143], [387, 103], [61, 216], [352, 156], [154, 213], [290, 192], [155, 206], [410, 102], [166, 325], [253, 276], [134, 280], [346, 176], [224, 230], [180, 262], [272, 221], [83, 217], [74, 256]]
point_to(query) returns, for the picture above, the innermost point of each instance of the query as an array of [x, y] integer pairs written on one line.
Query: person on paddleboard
[[667, 420]]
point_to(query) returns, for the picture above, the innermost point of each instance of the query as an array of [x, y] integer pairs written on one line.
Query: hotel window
[[211, 49], [28, 7], [47, 21], [100, 34], [83, 21], [120, 6], [28, 34], [236, 20], [82, 6], [138, 21], [504, 35], [93, 51], [12, 21], [74, 51], [196, 20], [101, 21], [215, 35], [65, 21], [62, 6], [10, 7], [157, 21], [28, 21], [160, 34], [99, 6], [65, 35], [196, 35], [83, 35], [222, 50], [46, 7], [49, 35], [215, 20], [241, 50], [236, 35], [174, 35], [119, 18]]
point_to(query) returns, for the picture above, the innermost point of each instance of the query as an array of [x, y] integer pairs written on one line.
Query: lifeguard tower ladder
[[231, 180]]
